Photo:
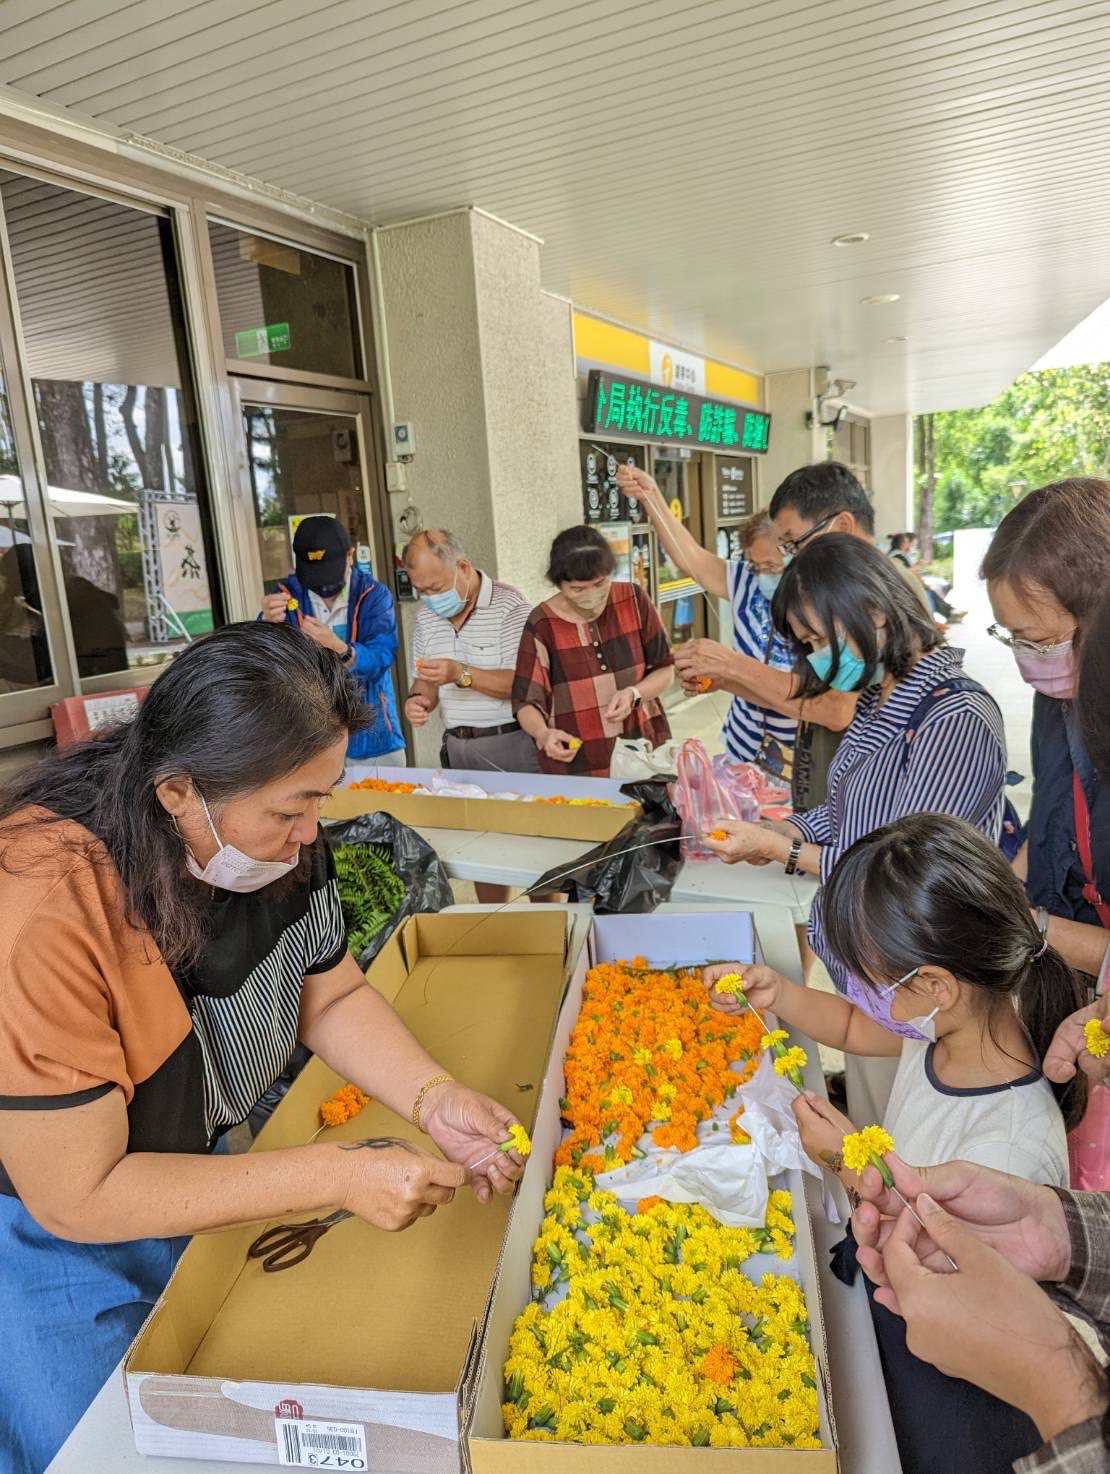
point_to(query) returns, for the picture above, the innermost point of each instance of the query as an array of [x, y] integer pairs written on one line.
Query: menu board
[[602, 499], [735, 489]]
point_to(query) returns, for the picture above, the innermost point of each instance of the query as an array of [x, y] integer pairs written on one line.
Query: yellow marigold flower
[[519, 1141], [791, 1062], [667, 1090], [1098, 1040], [661, 1110], [866, 1148], [642, 1056], [621, 1095], [776, 1036], [673, 1047], [732, 982]]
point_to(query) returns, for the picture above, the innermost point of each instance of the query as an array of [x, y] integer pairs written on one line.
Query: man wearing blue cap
[[341, 607]]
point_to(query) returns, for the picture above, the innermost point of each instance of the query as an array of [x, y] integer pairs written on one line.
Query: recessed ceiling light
[[898, 340], [853, 238], [880, 299]]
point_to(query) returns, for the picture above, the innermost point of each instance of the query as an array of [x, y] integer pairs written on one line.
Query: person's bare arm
[[1081, 945], [76, 1178], [684, 549]]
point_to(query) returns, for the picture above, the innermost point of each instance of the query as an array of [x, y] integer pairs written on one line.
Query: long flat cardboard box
[[491, 815], [665, 940], [367, 1347]]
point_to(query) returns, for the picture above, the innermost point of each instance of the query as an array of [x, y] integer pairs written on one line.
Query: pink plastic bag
[[746, 778], [701, 798], [1089, 1143]]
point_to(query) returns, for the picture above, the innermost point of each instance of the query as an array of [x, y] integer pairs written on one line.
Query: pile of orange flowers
[[648, 1051], [347, 1101], [379, 785], [581, 803]]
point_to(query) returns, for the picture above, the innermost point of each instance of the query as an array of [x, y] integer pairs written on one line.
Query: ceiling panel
[[687, 164]]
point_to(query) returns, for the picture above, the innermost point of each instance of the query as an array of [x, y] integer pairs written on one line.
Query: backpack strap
[[925, 705]]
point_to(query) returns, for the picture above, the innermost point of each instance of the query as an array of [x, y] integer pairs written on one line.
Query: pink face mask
[[1052, 672]]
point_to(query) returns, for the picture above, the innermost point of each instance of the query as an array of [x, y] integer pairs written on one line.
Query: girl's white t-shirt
[[1015, 1128]]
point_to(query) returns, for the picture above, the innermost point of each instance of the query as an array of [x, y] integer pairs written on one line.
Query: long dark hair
[[1093, 696], [235, 711], [1058, 538], [929, 890], [843, 583]]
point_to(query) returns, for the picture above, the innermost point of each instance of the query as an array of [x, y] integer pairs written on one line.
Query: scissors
[[291, 1243]]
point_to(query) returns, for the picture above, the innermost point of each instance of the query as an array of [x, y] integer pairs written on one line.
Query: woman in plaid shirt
[[593, 662]]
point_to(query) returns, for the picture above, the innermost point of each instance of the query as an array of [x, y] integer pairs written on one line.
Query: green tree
[[1044, 427]]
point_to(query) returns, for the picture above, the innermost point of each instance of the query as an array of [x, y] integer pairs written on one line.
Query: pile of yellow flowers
[[659, 1337]]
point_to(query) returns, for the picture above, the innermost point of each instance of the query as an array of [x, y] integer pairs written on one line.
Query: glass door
[[304, 453]]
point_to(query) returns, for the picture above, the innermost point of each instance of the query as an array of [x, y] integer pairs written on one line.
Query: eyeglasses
[[1012, 642], [792, 544]]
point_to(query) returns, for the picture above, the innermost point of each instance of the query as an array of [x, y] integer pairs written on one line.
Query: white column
[[788, 397], [482, 363], [892, 475]]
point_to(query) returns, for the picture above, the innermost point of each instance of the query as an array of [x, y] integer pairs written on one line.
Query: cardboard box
[[375, 1334], [490, 815], [665, 940]]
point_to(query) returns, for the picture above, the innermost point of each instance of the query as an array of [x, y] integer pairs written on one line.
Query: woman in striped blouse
[[749, 584], [924, 739]]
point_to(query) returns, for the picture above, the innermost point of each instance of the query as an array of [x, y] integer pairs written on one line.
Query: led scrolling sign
[[616, 405]]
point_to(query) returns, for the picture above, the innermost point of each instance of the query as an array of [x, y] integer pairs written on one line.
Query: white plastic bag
[[636, 761], [727, 1179]]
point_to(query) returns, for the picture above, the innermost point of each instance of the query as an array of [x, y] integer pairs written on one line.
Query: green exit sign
[[618, 405], [253, 342]]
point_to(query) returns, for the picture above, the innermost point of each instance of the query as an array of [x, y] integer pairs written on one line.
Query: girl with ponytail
[[927, 913]]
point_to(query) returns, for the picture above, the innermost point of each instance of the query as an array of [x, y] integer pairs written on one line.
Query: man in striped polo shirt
[[464, 649]]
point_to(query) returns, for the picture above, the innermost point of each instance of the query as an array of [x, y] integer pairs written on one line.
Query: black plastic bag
[[635, 870], [427, 888]]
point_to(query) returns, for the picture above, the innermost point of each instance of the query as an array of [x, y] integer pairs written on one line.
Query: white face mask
[[924, 1022], [230, 870]]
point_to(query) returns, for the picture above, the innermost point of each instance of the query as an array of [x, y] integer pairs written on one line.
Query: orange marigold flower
[[346, 1102], [645, 1205], [718, 834], [718, 1364]]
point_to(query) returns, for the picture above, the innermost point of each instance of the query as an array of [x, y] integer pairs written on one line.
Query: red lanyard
[[1083, 840]]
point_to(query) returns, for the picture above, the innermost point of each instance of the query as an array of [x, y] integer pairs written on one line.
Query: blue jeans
[[68, 1312]]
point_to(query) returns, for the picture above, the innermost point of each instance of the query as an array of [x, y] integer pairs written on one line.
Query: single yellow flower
[[519, 1141], [1098, 1040], [673, 1047], [791, 1062], [866, 1148], [776, 1036], [732, 982], [621, 1095], [642, 1056]]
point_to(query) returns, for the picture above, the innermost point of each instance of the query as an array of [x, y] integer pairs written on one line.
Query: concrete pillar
[[892, 475], [482, 362], [788, 396]]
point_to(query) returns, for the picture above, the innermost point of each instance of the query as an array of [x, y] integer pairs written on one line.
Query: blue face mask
[[849, 674], [447, 604], [767, 583]]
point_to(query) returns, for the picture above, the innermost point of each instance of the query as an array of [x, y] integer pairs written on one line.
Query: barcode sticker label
[[312, 1443]]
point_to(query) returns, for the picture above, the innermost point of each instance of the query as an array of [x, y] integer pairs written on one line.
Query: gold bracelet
[[422, 1092]]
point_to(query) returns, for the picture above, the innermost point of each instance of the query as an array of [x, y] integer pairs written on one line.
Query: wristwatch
[[466, 680], [637, 699], [792, 858], [348, 656]]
